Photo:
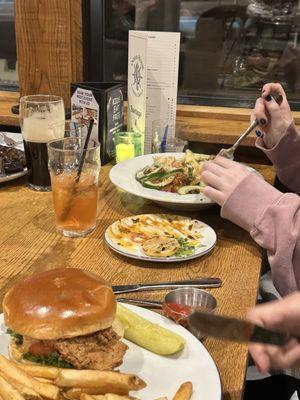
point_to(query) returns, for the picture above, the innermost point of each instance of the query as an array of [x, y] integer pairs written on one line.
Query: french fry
[[75, 393], [12, 371], [162, 398], [107, 396], [108, 381], [95, 393], [85, 396], [44, 380], [27, 393], [39, 371], [184, 392], [8, 392]]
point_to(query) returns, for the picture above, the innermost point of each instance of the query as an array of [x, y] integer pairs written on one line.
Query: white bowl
[[123, 174]]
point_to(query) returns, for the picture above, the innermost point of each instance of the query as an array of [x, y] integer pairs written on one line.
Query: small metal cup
[[196, 299]]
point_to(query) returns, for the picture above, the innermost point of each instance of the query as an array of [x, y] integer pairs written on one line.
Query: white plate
[[123, 174], [164, 375], [10, 177], [208, 242]]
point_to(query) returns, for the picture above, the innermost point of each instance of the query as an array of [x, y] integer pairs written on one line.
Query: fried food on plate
[[108, 396], [76, 392], [148, 335], [108, 381], [184, 392], [161, 246], [12, 371], [39, 371], [64, 317], [8, 392], [157, 235], [26, 392]]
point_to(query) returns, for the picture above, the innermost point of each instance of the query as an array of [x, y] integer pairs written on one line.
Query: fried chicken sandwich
[[64, 317]]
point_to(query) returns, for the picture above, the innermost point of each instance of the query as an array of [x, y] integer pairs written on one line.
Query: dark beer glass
[[42, 119]]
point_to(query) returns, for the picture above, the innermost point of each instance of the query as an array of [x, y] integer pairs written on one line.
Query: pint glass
[[42, 118]]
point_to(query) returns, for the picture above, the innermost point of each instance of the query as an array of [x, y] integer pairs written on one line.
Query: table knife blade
[[220, 327], [198, 283]]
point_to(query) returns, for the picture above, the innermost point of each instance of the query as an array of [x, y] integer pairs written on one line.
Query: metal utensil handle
[[140, 302], [199, 283], [210, 282], [245, 134], [162, 287]]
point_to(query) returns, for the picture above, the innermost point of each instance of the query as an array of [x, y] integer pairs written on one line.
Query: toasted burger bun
[[60, 303]]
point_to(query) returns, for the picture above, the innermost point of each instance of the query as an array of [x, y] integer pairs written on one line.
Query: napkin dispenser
[[104, 102]]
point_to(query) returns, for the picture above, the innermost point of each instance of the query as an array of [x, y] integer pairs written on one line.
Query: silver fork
[[9, 141], [228, 153]]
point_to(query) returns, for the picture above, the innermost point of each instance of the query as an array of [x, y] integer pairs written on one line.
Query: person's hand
[[282, 316], [221, 176], [273, 118]]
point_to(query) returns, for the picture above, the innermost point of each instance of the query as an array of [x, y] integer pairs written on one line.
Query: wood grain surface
[[7, 100], [29, 243], [49, 46]]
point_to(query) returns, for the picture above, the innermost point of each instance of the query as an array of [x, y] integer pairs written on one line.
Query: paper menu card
[[152, 82], [137, 81]]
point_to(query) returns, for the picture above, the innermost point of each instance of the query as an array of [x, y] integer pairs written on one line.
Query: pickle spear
[[148, 335]]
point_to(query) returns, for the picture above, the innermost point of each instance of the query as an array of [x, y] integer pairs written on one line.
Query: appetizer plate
[[10, 177], [163, 374], [123, 175], [128, 236]]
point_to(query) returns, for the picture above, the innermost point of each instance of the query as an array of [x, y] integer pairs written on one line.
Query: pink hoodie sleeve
[[271, 217], [286, 158], [273, 220]]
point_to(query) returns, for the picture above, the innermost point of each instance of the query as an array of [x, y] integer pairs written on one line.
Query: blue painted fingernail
[[258, 133], [268, 98], [263, 121]]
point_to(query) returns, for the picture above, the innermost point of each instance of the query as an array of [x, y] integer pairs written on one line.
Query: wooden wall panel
[[49, 45]]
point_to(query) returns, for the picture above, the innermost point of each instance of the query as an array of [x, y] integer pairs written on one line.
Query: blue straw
[[164, 140]]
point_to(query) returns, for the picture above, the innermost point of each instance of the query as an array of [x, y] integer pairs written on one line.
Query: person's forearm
[[286, 158]]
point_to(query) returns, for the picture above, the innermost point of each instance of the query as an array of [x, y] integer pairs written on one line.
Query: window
[[8, 52], [229, 48]]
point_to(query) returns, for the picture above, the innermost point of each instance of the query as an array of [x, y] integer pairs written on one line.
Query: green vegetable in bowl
[[158, 184], [149, 174], [186, 170]]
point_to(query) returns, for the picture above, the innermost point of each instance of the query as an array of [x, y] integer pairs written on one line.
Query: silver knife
[[141, 287], [140, 302], [237, 330]]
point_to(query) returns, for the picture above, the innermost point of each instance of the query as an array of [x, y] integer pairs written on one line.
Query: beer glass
[[75, 196], [42, 118]]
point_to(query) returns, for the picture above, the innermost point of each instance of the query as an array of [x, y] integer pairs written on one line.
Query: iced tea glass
[[75, 197]]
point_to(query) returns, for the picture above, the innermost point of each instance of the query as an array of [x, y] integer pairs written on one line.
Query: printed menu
[[152, 82]]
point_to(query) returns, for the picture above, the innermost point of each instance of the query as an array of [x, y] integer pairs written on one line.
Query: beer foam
[[43, 127]]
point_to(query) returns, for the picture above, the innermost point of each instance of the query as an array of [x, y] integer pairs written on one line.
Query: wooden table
[[30, 243]]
